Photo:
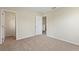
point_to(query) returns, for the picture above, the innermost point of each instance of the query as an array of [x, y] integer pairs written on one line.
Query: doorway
[[44, 29], [8, 20], [41, 27], [10, 25]]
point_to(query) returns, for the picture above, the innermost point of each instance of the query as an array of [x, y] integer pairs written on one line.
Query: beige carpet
[[37, 43]]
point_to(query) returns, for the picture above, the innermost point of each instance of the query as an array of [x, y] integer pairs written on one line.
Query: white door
[[2, 26], [38, 25]]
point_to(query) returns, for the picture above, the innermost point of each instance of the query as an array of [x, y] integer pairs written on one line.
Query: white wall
[[64, 24], [9, 24], [25, 23]]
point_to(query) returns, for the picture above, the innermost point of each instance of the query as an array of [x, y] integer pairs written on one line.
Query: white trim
[[63, 39], [25, 37]]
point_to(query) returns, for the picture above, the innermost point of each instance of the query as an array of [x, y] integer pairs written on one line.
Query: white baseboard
[[63, 40], [25, 37]]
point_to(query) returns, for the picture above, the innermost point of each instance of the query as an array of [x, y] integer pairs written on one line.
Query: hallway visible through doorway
[[10, 31], [44, 25], [8, 22]]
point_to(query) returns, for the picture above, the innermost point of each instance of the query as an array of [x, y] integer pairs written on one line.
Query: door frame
[[3, 11]]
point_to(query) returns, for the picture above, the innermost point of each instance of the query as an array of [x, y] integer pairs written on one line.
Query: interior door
[[2, 25], [38, 25]]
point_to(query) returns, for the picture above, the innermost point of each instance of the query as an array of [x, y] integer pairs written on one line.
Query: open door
[[38, 25], [2, 26]]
